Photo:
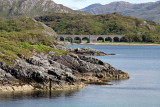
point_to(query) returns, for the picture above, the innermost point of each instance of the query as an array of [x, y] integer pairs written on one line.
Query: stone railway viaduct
[[91, 38]]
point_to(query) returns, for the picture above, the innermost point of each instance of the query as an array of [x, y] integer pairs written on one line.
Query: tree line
[[136, 30]]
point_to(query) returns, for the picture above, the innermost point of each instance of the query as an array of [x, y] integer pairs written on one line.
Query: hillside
[[31, 8], [30, 59], [136, 30], [145, 11], [91, 6], [21, 37]]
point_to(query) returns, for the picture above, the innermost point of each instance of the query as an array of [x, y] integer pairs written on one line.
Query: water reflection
[[118, 82], [141, 90], [11, 96]]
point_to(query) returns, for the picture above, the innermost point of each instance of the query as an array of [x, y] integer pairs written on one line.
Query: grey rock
[[60, 72], [82, 51], [32, 8]]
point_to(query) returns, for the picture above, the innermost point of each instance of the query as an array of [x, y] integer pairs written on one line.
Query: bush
[[111, 24], [17, 39]]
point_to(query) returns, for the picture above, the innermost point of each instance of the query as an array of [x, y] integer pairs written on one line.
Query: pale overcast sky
[[78, 4]]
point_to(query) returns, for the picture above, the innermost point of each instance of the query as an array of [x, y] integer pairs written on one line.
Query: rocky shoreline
[[52, 72], [118, 43], [123, 44], [83, 51]]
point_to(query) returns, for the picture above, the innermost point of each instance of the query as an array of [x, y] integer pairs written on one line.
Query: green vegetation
[[136, 30], [22, 38], [41, 48]]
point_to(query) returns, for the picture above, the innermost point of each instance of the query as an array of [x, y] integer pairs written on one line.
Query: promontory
[[32, 59]]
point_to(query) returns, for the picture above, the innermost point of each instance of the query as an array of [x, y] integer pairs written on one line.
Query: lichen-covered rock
[[56, 72], [86, 65], [83, 51]]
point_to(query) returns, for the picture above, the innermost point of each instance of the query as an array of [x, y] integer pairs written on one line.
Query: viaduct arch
[[91, 38]]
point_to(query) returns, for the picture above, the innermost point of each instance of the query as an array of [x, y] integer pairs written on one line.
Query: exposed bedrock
[[83, 51], [55, 72]]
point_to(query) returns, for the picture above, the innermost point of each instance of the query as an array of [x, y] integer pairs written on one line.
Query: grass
[[17, 40], [42, 48], [10, 50]]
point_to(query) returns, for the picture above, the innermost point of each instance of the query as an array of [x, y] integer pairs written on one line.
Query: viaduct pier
[[91, 38]]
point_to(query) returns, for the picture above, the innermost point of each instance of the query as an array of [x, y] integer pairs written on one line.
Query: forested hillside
[[136, 30]]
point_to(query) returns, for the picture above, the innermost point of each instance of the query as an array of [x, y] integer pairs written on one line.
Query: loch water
[[141, 90]]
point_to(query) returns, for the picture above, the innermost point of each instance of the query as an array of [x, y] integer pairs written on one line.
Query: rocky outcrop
[[90, 69], [51, 72], [88, 51], [39, 27], [83, 51], [31, 8]]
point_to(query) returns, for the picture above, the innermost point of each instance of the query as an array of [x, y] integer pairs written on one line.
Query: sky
[[79, 4]]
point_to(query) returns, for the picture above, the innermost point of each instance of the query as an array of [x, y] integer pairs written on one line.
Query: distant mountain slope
[[91, 6], [146, 11], [10, 8]]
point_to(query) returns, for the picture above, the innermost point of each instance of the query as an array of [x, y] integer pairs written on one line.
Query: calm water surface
[[141, 90]]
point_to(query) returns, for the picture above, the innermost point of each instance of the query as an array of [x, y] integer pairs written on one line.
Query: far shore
[[120, 44]]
